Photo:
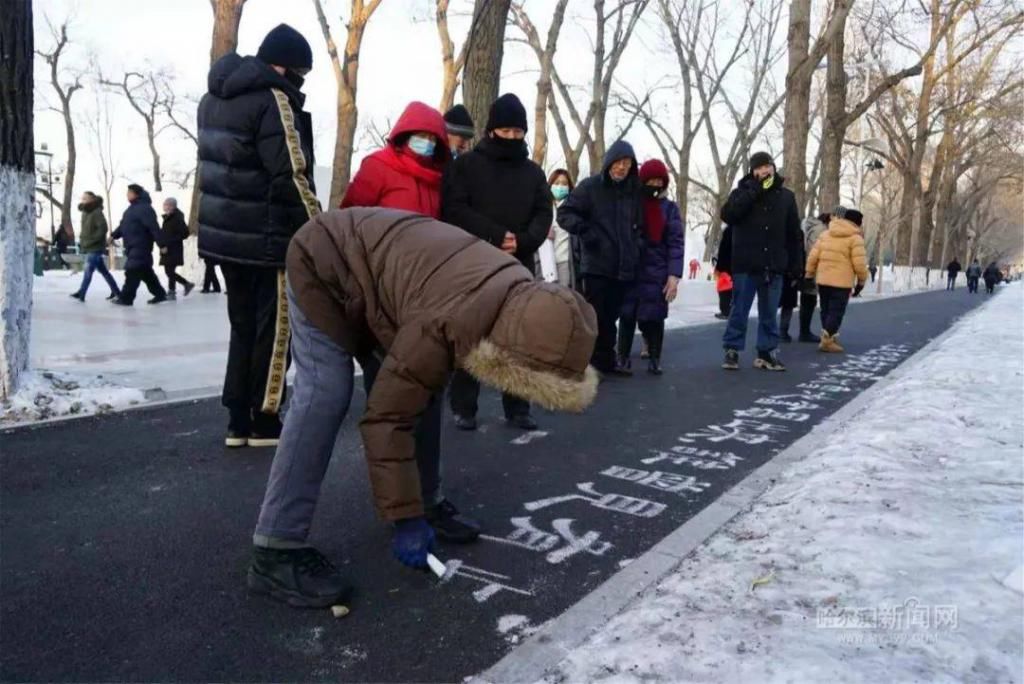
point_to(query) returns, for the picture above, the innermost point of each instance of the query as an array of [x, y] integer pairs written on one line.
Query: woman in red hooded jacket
[[406, 173]]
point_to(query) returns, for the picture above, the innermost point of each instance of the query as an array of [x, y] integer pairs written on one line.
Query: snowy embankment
[[44, 395], [893, 553]]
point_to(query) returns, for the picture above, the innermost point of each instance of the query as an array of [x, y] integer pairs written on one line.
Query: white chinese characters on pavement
[[740, 430], [656, 479], [619, 503], [560, 545]]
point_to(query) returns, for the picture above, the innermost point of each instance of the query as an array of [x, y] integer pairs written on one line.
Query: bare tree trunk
[[451, 66], [484, 54], [17, 179], [64, 95], [803, 60], [834, 128], [144, 97], [227, 16], [346, 74]]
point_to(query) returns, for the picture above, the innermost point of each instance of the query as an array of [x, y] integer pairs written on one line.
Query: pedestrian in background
[[211, 284], [93, 245], [694, 268], [838, 263], [405, 173], [172, 252], [973, 275], [992, 276], [766, 248], [497, 193], [813, 229], [138, 232], [460, 129], [661, 268], [565, 266], [604, 212], [952, 271]]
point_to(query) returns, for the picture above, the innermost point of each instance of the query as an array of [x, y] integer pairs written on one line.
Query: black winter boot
[[654, 366], [732, 360], [302, 578], [266, 430], [769, 361], [785, 317], [450, 525], [807, 304]]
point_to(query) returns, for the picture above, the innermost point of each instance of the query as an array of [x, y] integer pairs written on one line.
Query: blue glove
[[413, 538]]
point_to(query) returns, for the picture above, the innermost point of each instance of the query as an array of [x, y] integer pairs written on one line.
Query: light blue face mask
[[422, 146], [560, 192]]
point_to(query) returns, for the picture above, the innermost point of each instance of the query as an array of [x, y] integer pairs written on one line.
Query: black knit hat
[[851, 215], [285, 47], [759, 159], [458, 122], [137, 189], [507, 112]]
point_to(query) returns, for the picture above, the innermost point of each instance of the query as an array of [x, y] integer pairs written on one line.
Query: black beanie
[[759, 159], [137, 189], [458, 122], [507, 112], [285, 47], [851, 215]]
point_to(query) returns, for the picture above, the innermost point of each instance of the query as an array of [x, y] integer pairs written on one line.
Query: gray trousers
[[324, 374]]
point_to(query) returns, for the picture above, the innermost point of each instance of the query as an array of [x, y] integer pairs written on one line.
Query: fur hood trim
[[497, 367]]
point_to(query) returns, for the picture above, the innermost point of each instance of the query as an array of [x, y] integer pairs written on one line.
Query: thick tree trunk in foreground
[[17, 183], [486, 48]]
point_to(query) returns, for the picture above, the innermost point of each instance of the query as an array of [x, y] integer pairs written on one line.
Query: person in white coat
[[558, 248]]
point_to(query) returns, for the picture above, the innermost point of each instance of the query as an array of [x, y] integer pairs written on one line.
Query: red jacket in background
[[396, 178]]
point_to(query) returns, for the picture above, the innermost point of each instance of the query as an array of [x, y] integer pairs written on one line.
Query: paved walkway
[[126, 537]]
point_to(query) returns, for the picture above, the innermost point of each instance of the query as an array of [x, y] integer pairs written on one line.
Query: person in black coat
[[498, 194], [604, 213], [992, 277], [138, 232], [767, 246], [952, 271], [172, 253], [256, 178]]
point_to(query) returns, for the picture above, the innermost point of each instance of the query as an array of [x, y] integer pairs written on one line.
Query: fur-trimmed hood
[[539, 348]]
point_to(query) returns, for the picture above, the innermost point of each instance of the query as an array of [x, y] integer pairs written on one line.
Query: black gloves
[[857, 290]]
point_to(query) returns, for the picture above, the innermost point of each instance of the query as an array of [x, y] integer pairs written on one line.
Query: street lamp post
[[48, 180]]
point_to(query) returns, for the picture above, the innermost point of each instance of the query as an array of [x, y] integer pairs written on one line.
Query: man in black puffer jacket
[[256, 180], [767, 246], [604, 212], [498, 194], [138, 232]]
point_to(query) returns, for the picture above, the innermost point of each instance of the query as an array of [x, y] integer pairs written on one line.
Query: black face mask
[[652, 192], [294, 78], [510, 145]]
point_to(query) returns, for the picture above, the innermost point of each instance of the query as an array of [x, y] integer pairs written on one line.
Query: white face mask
[[422, 146]]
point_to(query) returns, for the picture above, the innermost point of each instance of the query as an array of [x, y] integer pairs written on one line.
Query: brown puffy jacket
[[427, 296], [838, 258]]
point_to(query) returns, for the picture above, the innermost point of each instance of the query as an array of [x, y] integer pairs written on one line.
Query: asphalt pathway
[[124, 538]]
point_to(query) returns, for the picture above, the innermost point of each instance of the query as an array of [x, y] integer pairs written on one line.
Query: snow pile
[[44, 395], [887, 555]]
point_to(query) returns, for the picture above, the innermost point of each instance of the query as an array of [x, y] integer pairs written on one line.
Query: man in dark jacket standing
[[498, 194], [172, 253], [767, 245], [93, 244], [604, 212], [256, 179], [138, 232], [952, 271]]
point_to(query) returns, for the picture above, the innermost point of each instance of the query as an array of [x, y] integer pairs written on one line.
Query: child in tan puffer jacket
[[838, 262]]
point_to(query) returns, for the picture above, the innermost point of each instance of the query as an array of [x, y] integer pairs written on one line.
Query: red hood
[[419, 116]]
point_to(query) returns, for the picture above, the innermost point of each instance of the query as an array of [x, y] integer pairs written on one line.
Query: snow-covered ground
[[893, 554], [45, 394]]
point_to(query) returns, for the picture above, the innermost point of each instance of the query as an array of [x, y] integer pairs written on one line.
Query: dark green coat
[[93, 235]]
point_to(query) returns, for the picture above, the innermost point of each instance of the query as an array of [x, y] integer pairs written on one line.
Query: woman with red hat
[[660, 270]]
